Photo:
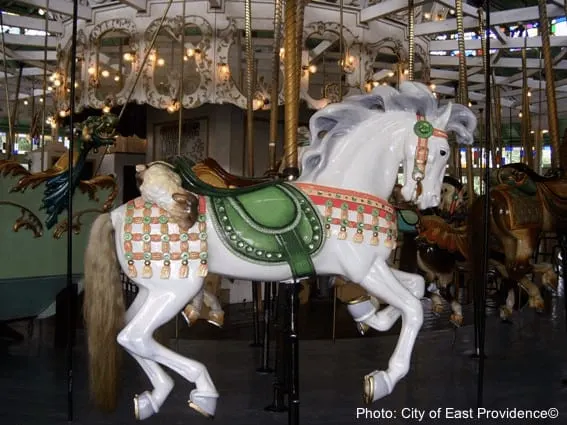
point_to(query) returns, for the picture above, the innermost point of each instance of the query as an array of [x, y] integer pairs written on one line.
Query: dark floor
[[525, 363]]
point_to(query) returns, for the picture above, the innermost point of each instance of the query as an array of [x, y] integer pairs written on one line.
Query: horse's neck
[[373, 171]]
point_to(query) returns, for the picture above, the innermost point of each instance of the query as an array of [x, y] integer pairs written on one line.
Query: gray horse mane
[[331, 123]]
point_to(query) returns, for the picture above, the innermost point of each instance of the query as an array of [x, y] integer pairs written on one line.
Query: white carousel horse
[[333, 220]]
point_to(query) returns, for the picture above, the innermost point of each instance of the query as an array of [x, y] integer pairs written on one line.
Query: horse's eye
[[443, 152]]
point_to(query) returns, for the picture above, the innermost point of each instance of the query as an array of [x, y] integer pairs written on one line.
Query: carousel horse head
[[360, 142], [453, 195]]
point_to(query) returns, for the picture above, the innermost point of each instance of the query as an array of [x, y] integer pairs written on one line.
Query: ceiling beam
[[510, 43], [25, 56], [60, 6], [501, 63], [30, 40], [37, 24], [523, 14], [383, 9], [139, 5]]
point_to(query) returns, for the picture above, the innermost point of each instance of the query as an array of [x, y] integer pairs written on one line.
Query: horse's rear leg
[[365, 313], [381, 282], [148, 403], [161, 305]]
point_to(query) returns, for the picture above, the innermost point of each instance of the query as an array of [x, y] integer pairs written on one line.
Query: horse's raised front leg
[[535, 299], [366, 314], [382, 283], [164, 299], [192, 311]]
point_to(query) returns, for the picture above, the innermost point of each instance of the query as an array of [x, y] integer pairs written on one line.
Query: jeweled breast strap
[[150, 236], [381, 214]]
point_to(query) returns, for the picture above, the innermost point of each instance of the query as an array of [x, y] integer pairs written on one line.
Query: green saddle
[[270, 223]]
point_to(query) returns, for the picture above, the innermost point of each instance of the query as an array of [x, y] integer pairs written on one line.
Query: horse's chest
[[153, 243]]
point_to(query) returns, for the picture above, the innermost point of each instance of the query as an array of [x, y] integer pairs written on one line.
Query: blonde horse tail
[[104, 312]]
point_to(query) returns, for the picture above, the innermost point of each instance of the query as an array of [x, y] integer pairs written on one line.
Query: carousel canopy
[[114, 35]]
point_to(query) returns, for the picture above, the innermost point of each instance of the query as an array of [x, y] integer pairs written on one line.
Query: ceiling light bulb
[[91, 70], [161, 62], [128, 57], [190, 52], [105, 73], [312, 69], [25, 102], [106, 109], [117, 78]]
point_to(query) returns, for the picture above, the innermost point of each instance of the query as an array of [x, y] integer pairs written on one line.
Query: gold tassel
[[203, 270], [342, 233], [374, 240], [132, 270], [147, 272], [165, 271], [358, 236], [389, 243], [184, 271]]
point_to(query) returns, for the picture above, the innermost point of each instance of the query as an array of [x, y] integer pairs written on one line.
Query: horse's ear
[[443, 119]]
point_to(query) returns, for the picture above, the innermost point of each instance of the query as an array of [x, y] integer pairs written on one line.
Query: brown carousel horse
[[523, 204], [439, 261]]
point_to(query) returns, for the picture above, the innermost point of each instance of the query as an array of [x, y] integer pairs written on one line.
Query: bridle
[[423, 129]]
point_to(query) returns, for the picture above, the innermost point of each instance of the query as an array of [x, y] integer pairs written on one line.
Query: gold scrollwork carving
[[27, 219]]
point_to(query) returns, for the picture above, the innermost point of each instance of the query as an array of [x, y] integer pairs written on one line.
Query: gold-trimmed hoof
[[362, 328], [368, 395], [191, 315], [437, 309], [136, 407], [216, 318], [198, 409], [359, 300], [456, 319]]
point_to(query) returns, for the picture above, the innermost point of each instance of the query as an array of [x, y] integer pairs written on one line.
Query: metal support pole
[[71, 288], [486, 212], [265, 368], [293, 412], [280, 316], [255, 315]]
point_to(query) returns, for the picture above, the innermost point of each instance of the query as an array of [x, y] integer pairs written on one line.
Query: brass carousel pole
[[293, 20], [291, 169], [463, 97], [526, 118], [411, 40], [550, 89]]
